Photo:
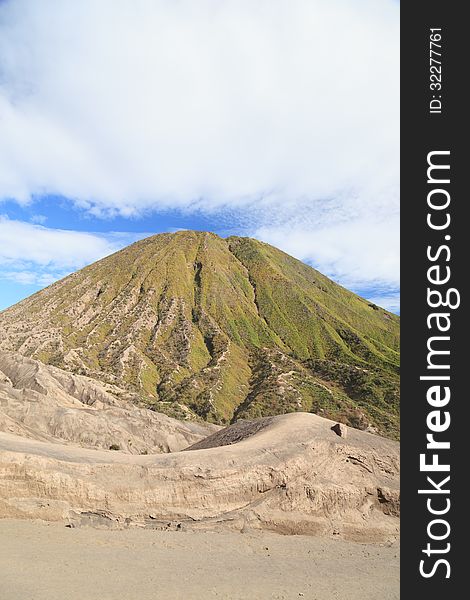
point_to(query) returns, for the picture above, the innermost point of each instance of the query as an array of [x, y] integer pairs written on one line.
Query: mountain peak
[[204, 327]]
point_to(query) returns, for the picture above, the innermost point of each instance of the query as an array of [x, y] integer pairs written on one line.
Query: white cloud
[[361, 255], [389, 301], [38, 219], [126, 106], [30, 277], [32, 254], [56, 248], [270, 106], [364, 253]]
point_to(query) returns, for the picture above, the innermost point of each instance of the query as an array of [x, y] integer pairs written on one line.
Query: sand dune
[[296, 476]]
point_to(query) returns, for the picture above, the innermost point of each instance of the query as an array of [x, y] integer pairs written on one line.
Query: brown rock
[[340, 429]]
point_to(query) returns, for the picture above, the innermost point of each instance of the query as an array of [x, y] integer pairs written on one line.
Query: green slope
[[204, 327]]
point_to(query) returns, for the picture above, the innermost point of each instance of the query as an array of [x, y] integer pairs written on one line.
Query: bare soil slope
[[48, 404]]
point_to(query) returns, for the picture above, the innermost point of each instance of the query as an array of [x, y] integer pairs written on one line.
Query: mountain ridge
[[203, 327]]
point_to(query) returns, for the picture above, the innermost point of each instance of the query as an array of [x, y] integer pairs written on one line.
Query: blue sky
[[277, 120]]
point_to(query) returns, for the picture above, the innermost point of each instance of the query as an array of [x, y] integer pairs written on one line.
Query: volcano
[[215, 329]]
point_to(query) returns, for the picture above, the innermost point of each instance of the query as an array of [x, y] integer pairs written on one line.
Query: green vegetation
[[200, 327]]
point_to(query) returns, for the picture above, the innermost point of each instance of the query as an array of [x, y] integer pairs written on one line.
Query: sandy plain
[[48, 561]]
